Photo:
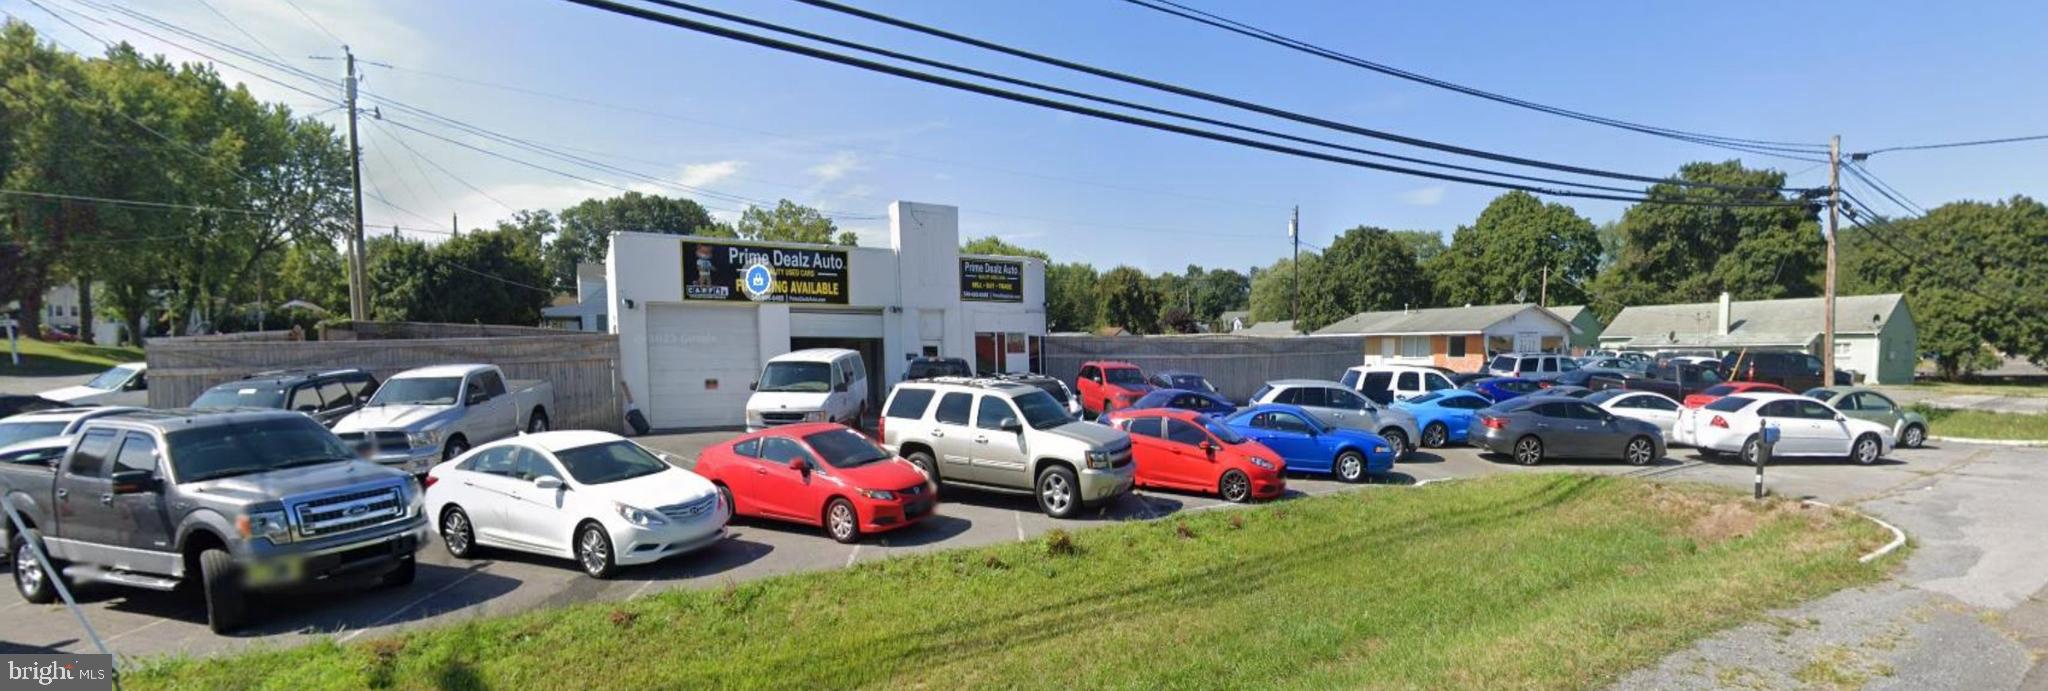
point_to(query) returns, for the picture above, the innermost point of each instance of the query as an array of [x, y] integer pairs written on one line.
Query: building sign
[[986, 280], [717, 271]]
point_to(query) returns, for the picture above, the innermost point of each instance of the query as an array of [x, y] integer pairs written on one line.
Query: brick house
[[1460, 338]]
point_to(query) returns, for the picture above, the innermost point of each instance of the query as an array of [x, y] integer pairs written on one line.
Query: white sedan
[[1648, 406], [1806, 428], [589, 496]]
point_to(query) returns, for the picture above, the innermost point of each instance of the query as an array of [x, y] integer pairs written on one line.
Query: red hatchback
[[1107, 385], [1711, 393], [1189, 451], [819, 474]]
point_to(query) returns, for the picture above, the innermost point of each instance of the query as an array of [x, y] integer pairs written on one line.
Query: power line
[[238, 29], [67, 22], [133, 202], [1884, 190], [1948, 145], [744, 37], [417, 156], [315, 22], [1222, 100], [1750, 145]]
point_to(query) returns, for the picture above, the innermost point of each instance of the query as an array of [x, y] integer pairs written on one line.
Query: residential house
[[587, 311], [1587, 325], [1875, 335], [1460, 338], [1234, 321], [1279, 328]]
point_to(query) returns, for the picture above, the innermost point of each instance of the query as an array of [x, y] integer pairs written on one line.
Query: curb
[[2023, 443], [1898, 536]]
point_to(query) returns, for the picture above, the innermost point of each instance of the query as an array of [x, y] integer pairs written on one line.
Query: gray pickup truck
[[421, 417], [229, 502]]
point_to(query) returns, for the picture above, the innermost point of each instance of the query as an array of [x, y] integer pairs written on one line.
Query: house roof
[[1235, 314], [1470, 319], [1790, 322], [1279, 328], [1568, 312]]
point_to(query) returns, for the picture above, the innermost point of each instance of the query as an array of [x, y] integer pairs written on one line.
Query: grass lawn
[[39, 358], [1536, 581], [1941, 388], [1984, 424]]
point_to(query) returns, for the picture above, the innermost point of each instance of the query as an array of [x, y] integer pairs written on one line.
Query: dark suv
[[326, 395], [1790, 369], [929, 367]]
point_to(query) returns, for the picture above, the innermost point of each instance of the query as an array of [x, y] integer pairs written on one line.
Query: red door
[[1192, 466], [786, 492], [1148, 450]]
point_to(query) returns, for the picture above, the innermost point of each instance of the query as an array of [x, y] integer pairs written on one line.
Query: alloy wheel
[[28, 573], [1866, 451], [1056, 493], [841, 520], [1529, 451], [593, 550], [1639, 452], [455, 532], [1914, 437], [1434, 436], [1397, 443], [1236, 487], [1350, 467]]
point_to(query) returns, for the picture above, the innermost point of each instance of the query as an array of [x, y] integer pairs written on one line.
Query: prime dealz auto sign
[[723, 271], [987, 280]]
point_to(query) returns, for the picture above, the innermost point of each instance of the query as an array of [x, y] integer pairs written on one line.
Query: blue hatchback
[[1444, 415], [1310, 446], [1499, 389], [1199, 401]]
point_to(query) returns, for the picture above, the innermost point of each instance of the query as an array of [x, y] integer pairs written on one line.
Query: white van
[[1385, 384], [815, 385]]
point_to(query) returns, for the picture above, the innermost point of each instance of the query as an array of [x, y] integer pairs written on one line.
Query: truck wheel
[[401, 576], [538, 422], [225, 607], [1059, 492], [455, 448], [923, 460], [29, 578]]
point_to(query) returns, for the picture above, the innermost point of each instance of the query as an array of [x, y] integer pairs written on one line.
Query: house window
[[1414, 346], [1456, 347]]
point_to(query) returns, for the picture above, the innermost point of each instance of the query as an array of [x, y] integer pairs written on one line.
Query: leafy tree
[[1364, 270], [1180, 320], [1272, 288], [1975, 275], [1070, 303], [1217, 291], [1502, 256], [314, 272], [490, 277], [582, 232], [791, 222], [1689, 253], [1127, 299], [1423, 244], [997, 246]]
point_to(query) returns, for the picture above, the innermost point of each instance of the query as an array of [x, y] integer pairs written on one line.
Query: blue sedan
[[1444, 415], [1183, 399], [1310, 446], [1499, 389]]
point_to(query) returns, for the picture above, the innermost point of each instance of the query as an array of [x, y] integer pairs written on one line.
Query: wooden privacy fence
[[582, 366], [1236, 365]]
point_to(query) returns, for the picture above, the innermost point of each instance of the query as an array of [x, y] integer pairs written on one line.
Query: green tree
[[1975, 276], [1674, 253], [1070, 303], [1219, 290], [314, 272], [581, 233], [1364, 270], [997, 246], [791, 222], [1502, 257], [489, 277], [1272, 289], [1424, 245], [1127, 299]]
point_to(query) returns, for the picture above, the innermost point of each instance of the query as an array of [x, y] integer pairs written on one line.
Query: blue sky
[[705, 112]]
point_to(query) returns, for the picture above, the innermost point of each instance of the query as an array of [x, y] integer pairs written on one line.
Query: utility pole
[[1827, 334], [358, 288], [1294, 234], [1543, 290], [454, 225]]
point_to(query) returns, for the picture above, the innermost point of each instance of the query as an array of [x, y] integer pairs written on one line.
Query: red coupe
[[819, 474], [1188, 451], [1711, 393]]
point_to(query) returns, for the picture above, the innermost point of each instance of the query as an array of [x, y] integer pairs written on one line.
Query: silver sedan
[[1531, 429]]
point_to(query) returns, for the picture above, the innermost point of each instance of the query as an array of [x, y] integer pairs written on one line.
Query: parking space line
[[850, 556], [1020, 523], [159, 620], [415, 603], [641, 589]]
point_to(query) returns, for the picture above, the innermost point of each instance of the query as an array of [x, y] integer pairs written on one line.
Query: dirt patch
[[1711, 517]]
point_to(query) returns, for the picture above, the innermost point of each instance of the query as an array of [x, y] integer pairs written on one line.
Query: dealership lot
[[146, 623]]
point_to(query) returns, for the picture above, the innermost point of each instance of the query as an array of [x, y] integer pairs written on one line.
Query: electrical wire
[[417, 156], [894, 70], [1741, 144], [1885, 190], [1223, 100], [1950, 145], [315, 22]]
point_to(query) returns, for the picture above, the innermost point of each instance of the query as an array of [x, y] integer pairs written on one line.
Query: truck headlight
[[641, 517], [1098, 460], [265, 524], [422, 440], [1263, 463], [882, 494], [416, 497], [814, 416]]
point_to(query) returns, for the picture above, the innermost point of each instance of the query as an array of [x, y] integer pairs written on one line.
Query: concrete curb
[[1898, 536], [2024, 443]]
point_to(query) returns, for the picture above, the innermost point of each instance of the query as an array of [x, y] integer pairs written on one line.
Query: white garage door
[[699, 363]]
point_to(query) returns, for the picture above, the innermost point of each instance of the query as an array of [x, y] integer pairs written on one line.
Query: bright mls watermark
[[58, 672]]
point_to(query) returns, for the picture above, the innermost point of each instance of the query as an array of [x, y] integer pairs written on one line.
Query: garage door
[[699, 363]]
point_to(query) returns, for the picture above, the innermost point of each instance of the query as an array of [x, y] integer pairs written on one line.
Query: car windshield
[[1193, 382], [12, 432], [803, 377], [1721, 390], [845, 448], [1124, 375], [611, 461], [418, 391], [111, 379], [1222, 431], [1822, 394], [240, 396], [1425, 398], [224, 450], [926, 369], [1040, 411], [1729, 404]]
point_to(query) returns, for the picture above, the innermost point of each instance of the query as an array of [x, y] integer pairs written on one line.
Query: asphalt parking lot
[[141, 623]]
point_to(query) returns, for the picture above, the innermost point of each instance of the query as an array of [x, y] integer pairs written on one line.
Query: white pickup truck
[[421, 417]]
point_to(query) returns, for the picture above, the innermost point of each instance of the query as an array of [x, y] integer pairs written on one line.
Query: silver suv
[[1339, 406], [1008, 437]]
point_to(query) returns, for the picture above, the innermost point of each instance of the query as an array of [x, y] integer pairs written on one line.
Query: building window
[[1456, 346], [1414, 346], [1037, 363], [74, 310]]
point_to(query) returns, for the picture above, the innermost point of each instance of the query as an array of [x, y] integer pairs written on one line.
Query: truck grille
[[781, 418], [340, 513], [689, 510], [386, 440]]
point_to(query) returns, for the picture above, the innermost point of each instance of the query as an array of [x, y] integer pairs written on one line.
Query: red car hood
[[892, 474]]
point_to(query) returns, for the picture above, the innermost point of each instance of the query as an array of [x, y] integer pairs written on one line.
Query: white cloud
[[1426, 196], [701, 174], [838, 166]]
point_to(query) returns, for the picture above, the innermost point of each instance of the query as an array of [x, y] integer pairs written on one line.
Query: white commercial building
[[697, 317]]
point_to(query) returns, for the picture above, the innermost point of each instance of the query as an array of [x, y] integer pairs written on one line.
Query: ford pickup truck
[[424, 416], [1676, 380], [227, 502]]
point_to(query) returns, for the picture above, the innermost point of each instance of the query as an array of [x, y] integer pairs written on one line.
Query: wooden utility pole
[[1827, 334], [1294, 234], [358, 289], [1543, 289]]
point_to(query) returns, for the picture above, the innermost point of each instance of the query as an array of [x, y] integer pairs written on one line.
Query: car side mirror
[[1209, 447], [476, 397], [755, 386], [1840, 418], [548, 482], [1010, 424], [134, 482], [798, 464]]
